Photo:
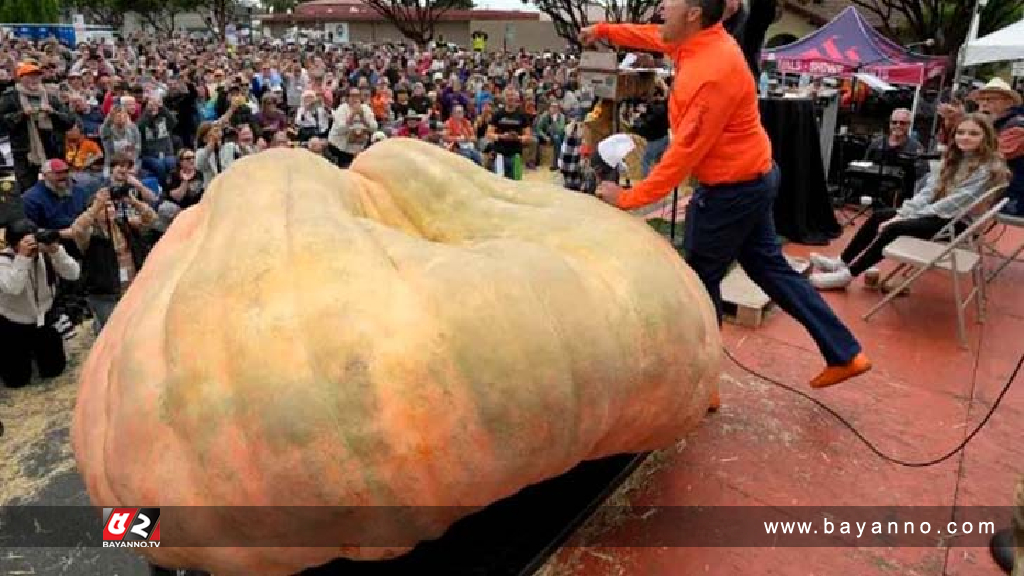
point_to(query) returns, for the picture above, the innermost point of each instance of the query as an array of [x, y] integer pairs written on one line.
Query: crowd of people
[[111, 141]]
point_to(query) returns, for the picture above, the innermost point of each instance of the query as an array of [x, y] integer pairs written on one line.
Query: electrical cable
[[872, 447]]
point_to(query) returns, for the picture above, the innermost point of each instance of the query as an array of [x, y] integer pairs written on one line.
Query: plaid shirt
[[570, 157]]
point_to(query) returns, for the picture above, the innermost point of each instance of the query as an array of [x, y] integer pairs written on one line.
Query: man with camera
[[29, 270], [124, 182], [111, 237]]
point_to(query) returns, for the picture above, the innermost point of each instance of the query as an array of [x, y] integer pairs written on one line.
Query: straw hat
[[999, 86]]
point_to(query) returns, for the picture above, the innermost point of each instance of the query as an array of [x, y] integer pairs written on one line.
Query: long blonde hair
[[986, 155]]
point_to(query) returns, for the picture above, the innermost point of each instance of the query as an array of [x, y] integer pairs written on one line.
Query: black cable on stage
[[872, 447]]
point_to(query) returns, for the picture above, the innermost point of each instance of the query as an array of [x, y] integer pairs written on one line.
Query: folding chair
[[1013, 222], [948, 232], [960, 256]]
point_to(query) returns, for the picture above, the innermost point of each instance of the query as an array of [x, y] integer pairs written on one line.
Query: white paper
[[614, 149]]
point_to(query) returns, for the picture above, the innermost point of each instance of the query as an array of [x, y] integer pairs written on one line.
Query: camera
[[46, 236], [120, 192]]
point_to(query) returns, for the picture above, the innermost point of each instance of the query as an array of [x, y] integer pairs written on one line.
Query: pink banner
[[912, 74]]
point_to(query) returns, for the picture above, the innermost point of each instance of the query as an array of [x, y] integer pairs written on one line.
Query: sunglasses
[[899, 122]]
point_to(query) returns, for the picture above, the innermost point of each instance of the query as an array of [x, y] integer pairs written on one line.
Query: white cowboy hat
[[998, 85]]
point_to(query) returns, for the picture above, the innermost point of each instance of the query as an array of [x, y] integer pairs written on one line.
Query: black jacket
[[749, 27], [15, 124]]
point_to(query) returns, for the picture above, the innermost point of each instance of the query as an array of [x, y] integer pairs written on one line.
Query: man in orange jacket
[[716, 134]]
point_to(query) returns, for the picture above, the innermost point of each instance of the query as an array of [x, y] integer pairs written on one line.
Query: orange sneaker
[[715, 402], [835, 374]]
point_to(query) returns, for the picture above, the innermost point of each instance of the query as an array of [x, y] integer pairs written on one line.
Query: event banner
[[633, 526]]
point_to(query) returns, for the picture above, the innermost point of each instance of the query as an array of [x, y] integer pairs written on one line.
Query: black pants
[[24, 172], [20, 344], [865, 249], [735, 223]]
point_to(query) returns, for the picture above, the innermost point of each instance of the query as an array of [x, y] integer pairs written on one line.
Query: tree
[[945, 21], [106, 12], [571, 16], [160, 14], [416, 19], [217, 14], [30, 11]]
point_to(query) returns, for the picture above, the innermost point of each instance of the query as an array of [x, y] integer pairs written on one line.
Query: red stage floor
[[769, 447]]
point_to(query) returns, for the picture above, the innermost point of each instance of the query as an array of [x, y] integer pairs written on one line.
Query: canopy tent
[[1000, 46], [848, 45]]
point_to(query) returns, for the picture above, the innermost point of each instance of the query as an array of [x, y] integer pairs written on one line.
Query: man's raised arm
[[638, 36]]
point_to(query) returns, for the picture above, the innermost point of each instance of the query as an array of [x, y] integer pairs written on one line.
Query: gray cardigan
[[965, 191]]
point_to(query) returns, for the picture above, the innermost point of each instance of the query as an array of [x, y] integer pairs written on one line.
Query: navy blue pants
[[735, 222]]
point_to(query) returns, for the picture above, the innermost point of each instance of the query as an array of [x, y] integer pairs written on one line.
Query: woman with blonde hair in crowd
[[971, 166]]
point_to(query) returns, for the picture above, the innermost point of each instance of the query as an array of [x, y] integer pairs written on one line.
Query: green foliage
[[30, 11]]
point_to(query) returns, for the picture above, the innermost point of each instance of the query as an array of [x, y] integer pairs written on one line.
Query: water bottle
[[764, 84]]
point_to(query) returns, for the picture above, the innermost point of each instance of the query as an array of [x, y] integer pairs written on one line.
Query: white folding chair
[[960, 256], [1011, 222], [948, 232]]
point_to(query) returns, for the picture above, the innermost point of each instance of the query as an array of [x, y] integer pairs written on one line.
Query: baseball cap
[[26, 68], [54, 165]]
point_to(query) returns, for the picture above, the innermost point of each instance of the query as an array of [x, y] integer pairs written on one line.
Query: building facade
[[353, 21]]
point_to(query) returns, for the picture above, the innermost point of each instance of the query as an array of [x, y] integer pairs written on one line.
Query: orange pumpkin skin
[[414, 331]]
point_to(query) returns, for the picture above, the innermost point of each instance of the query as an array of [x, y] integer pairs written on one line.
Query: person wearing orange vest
[[717, 135]]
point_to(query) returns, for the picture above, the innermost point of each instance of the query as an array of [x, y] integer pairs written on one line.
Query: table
[[890, 185], [803, 211]]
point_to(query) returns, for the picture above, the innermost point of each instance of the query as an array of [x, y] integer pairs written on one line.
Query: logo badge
[[131, 527]]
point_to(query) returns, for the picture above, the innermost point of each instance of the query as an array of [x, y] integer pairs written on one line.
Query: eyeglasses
[[189, 157], [899, 122]]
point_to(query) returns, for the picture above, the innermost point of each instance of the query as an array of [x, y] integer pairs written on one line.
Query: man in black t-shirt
[[509, 130]]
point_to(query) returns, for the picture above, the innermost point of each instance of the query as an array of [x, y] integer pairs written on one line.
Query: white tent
[[1000, 46]]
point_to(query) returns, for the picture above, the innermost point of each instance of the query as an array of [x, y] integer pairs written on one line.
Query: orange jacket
[[713, 112]]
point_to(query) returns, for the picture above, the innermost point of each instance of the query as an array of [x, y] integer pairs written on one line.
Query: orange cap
[[27, 68]]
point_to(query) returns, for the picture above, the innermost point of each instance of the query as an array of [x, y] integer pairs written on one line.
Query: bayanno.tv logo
[[131, 527]]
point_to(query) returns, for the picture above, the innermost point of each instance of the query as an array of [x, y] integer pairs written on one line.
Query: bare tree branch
[[416, 19]]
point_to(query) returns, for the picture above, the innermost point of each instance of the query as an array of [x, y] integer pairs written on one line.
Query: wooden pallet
[[745, 304]]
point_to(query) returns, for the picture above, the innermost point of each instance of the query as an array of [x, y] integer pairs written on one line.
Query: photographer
[[110, 235], [29, 269], [123, 178]]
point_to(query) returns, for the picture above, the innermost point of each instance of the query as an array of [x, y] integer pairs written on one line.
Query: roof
[[849, 44], [358, 11]]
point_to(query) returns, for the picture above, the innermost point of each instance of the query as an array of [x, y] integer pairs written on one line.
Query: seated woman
[[971, 166]]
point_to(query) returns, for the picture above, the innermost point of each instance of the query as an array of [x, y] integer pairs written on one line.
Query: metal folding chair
[[1012, 222], [960, 256], [948, 232]]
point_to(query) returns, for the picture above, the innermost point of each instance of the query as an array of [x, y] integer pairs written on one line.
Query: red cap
[[55, 165]]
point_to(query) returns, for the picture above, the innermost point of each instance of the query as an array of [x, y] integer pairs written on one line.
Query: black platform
[[512, 537]]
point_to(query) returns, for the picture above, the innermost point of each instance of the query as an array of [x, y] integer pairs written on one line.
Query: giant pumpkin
[[414, 333]]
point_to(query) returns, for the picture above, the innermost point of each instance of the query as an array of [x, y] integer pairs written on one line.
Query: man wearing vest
[[716, 135]]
